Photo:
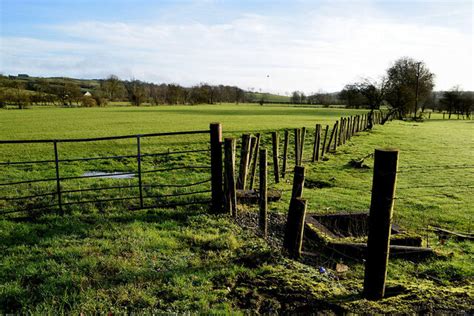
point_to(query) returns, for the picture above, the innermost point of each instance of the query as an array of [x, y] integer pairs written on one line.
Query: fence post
[[293, 240], [263, 218], [285, 153], [276, 168], [297, 146], [295, 219], [380, 216], [334, 128], [317, 142], [244, 158], [298, 182], [139, 165], [324, 141], [254, 161], [216, 166], [58, 180], [303, 135], [230, 197]]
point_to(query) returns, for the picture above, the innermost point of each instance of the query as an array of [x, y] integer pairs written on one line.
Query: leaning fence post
[[276, 168], [263, 217], [244, 158], [254, 161], [58, 180], [285, 153], [216, 166], [230, 206], [380, 216], [334, 128], [298, 182]]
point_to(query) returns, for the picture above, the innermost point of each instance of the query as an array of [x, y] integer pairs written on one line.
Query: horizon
[[275, 47]]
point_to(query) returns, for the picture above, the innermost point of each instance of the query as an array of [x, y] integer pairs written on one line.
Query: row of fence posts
[[225, 186]]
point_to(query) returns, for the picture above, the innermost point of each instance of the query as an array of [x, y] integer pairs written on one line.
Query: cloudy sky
[[276, 46]]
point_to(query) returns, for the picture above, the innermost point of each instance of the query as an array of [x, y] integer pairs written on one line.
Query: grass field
[[185, 259]]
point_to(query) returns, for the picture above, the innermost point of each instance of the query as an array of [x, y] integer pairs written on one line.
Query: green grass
[[104, 258]]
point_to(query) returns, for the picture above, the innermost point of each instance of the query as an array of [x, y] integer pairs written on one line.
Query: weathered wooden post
[[254, 162], [341, 127], [348, 134], [317, 142], [334, 128], [263, 200], [216, 167], [293, 238], [230, 197], [297, 146], [324, 141], [276, 168], [380, 217], [303, 135], [244, 158], [285, 153], [253, 143]]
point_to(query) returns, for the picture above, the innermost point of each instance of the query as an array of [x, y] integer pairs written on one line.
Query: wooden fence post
[[216, 167], [58, 180], [336, 128], [341, 130], [332, 136], [297, 146], [303, 135], [380, 216], [285, 153], [348, 134], [263, 201], [295, 221], [254, 161], [244, 158], [324, 141], [294, 232], [230, 201], [298, 182], [276, 168], [317, 142]]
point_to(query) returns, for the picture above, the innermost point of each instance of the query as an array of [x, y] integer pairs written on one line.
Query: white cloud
[[316, 50]]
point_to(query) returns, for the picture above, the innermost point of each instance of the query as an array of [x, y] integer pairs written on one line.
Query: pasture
[[186, 259]]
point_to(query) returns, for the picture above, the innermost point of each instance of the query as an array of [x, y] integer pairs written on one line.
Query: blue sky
[[276, 46]]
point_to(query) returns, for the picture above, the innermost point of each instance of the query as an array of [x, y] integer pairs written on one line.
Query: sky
[[261, 45]]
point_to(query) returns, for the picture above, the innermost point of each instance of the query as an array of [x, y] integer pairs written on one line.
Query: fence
[[137, 185]]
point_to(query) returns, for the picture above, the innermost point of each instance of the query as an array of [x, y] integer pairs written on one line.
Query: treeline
[[23, 90], [406, 88]]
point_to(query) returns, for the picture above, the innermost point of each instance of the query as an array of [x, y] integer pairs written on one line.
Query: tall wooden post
[[244, 161], [230, 201], [216, 167], [285, 153], [317, 142], [263, 197], [380, 217], [276, 168], [336, 128]]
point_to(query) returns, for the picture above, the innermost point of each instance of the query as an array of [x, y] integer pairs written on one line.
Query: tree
[[409, 83], [352, 96], [137, 93], [114, 88], [374, 94]]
